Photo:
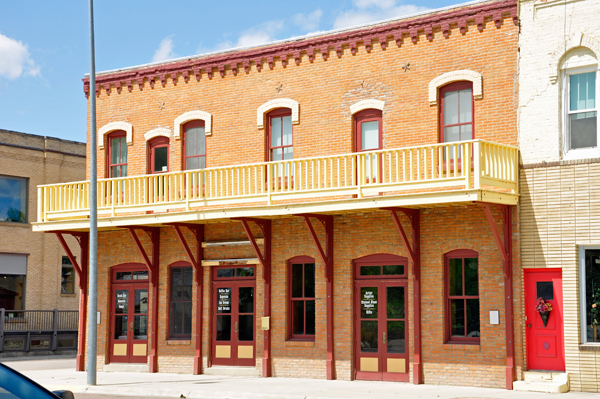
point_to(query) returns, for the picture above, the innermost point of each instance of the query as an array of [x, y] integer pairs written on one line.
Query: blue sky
[[44, 45]]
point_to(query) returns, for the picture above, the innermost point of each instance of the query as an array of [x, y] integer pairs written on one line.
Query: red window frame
[[367, 115], [450, 88], [278, 113], [191, 125], [109, 165], [186, 302], [459, 254], [157, 142], [303, 260]]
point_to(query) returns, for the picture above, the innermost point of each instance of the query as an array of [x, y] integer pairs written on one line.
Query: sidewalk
[[60, 374]]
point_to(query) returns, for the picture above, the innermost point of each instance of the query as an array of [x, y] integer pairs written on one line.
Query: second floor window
[[117, 154], [456, 112], [280, 142], [582, 111], [194, 145], [158, 149], [13, 199], [367, 128]]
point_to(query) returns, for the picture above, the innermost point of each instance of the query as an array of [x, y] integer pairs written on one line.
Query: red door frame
[[157, 142], [534, 324], [234, 283], [381, 282], [131, 286]]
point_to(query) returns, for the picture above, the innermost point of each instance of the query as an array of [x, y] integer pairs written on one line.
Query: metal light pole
[[93, 266]]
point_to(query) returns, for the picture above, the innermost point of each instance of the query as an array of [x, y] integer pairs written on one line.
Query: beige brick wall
[[42, 160], [560, 210]]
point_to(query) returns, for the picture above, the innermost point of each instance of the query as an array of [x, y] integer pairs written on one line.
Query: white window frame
[[580, 153], [582, 294]]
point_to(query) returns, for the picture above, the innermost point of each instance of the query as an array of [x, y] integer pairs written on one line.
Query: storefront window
[[462, 296], [590, 287]]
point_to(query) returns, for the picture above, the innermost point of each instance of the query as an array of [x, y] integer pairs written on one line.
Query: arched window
[[456, 112], [158, 151], [116, 156], [580, 105], [368, 130], [194, 145], [302, 298], [280, 142], [462, 296]]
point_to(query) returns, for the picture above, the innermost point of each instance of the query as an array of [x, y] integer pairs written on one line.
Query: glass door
[[381, 333], [233, 336], [129, 339]]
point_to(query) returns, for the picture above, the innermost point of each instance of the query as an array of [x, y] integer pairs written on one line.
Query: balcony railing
[[463, 165]]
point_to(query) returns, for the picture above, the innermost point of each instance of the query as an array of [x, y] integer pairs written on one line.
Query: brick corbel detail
[[111, 127], [278, 103], [455, 76], [192, 116], [458, 18]]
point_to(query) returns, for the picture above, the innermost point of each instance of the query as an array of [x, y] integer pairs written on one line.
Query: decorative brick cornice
[[428, 26], [455, 76], [159, 131], [192, 116], [111, 127], [277, 103], [366, 104]]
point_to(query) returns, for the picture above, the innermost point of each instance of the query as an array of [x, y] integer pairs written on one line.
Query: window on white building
[[580, 104]]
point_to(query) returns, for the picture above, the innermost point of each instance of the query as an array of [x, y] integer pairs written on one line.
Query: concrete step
[[543, 381], [234, 371], [127, 367]]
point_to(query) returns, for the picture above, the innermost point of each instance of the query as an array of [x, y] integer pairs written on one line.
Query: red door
[[381, 330], [233, 331], [545, 344], [129, 324]]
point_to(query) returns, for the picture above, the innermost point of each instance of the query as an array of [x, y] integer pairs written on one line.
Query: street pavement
[[59, 374]]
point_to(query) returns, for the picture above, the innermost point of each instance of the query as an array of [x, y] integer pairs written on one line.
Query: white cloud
[[15, 59], [367, 11], [164, 50], [256, 35], [308, 22]]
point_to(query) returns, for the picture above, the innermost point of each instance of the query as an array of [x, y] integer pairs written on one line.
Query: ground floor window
[[180, 323], [302, 298], [12, 280], [590, 294], [67, 281], [462, 296]]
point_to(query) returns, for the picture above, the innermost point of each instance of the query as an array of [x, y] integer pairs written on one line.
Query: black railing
[[30, 330]]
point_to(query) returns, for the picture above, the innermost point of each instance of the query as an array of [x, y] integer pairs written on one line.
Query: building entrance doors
[[233, 337], [545, 343], [129, 317], [381, 325]]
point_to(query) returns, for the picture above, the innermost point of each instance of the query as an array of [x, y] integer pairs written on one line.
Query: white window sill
[[582, 154]]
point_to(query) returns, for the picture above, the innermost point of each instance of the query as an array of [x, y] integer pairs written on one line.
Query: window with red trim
[[117, 154], [158, 150], [368, 130], [462, 296], [456, 112], [180, 302], [279, 135], [302, 298], [194, 145]]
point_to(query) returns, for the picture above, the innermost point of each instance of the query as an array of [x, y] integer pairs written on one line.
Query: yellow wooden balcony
[[429, 175]]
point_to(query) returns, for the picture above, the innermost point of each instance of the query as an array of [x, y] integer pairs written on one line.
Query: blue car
[[14, 385]]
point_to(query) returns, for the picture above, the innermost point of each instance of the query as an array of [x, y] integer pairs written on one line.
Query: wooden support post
[[505, 248], [327, 258], [153, 268], [196, 261], [82, 272], [264, 258], [414, 253]]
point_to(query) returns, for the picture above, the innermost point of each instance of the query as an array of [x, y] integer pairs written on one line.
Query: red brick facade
[[325, 90]]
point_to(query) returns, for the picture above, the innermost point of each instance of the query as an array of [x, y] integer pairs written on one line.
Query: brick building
[[34, 271], [558, 137], [304, 208]]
